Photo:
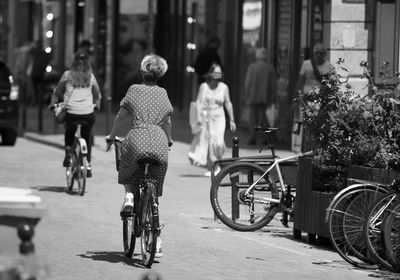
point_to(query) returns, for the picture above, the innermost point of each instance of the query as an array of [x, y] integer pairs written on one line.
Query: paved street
[[81, 237]]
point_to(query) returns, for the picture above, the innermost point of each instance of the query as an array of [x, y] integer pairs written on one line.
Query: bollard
[[25, 233], [234, 181], [235, 147]]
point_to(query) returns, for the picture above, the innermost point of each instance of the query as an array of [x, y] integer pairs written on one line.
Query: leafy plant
[[349, 128]]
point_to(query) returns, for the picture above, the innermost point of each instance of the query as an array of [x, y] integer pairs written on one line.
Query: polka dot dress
[[148, 106]]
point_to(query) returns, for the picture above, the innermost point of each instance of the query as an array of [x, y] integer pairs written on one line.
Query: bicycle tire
[[148, 230], [70, 171], [346, 220], [128, 232], [232, 208], [70, 179], [373, 228], [81, 170], [391, 233]]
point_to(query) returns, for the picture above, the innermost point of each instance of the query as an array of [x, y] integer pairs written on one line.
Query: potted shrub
[[349, 133]]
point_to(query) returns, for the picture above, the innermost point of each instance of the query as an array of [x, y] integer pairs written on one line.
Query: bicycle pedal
[[158, 230]]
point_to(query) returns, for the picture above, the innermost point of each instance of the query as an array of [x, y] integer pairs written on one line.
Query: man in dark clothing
[[38, 61], [207, 57]]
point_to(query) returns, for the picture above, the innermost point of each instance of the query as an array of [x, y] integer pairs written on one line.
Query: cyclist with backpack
[[79, 91]]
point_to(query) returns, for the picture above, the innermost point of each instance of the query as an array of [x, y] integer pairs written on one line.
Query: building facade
[[122, 31]]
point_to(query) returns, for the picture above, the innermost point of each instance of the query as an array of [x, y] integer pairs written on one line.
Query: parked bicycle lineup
[[364, 221]]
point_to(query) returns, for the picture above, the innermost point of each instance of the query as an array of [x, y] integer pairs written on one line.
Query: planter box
[[384, 176], [310, 205]]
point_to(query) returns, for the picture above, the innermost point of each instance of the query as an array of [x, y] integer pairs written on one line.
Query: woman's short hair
[[153, 67]]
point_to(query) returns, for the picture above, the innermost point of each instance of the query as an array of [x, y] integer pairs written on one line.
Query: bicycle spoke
[[238, 207]]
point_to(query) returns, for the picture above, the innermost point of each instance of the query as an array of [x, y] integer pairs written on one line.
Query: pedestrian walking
[[311, 75], [260, 91], [208, 145], [81, 96], [38, 61], [149, 111], [206, 58]]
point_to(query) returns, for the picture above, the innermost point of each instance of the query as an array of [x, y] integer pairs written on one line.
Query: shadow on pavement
[[57, 189], [193, 175], [113, 257]]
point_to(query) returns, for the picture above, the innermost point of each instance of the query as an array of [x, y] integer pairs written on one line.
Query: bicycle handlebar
[[111, 141], [308, 153]]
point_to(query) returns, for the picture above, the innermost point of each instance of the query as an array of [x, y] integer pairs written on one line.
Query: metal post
[[235, 147], [235, 181]]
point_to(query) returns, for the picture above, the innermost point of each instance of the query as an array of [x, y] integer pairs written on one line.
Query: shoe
[[67, 158], [89, 170], [67, 161], [217, 170], [127, 206], [207, 174], [158, 248]]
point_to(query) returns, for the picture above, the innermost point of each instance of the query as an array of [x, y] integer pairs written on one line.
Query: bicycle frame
[[275, 165]]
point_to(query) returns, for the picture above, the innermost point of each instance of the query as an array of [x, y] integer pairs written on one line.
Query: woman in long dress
[[208, 145]]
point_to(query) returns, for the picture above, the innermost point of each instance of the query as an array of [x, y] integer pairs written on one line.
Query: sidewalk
[[53, 133]]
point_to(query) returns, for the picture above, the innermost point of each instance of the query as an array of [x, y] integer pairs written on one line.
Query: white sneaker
[[207, 174], [127, 205], [158, 248]]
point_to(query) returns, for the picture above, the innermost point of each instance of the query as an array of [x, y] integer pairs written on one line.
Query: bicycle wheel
[[70, 177], [70, 171], [129, 238], [373, 227], [346, 220], [235, 208], [148, 229], [391, 232], [81, 170]]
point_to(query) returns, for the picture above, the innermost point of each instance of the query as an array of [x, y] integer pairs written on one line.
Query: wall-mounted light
[[189, 69], [191, 46], [191, 20], [49, 68], [48, 50], [50, 16], [49, 34]]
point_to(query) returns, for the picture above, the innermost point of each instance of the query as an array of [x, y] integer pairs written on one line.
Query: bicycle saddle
[[149, 161]]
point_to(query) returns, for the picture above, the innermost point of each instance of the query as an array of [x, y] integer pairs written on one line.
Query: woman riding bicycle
[[147, 107], [80, 92]]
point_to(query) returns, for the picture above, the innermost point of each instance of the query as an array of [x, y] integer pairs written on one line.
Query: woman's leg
[[127, 205], [69, 135], [86, 132]]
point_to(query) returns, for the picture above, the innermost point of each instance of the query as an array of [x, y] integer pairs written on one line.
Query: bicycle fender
[[83, 145]]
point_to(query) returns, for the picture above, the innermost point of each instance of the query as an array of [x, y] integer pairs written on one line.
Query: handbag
[[60, 110], [272, 114], [193, 121], [59, 113]]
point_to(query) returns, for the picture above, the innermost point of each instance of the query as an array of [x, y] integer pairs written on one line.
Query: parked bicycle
[[77, 170], [375, 228], [143, 221], [363, 221], [246, 194]]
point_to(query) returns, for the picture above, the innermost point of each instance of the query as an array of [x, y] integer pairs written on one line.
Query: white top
[[308, 72]]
